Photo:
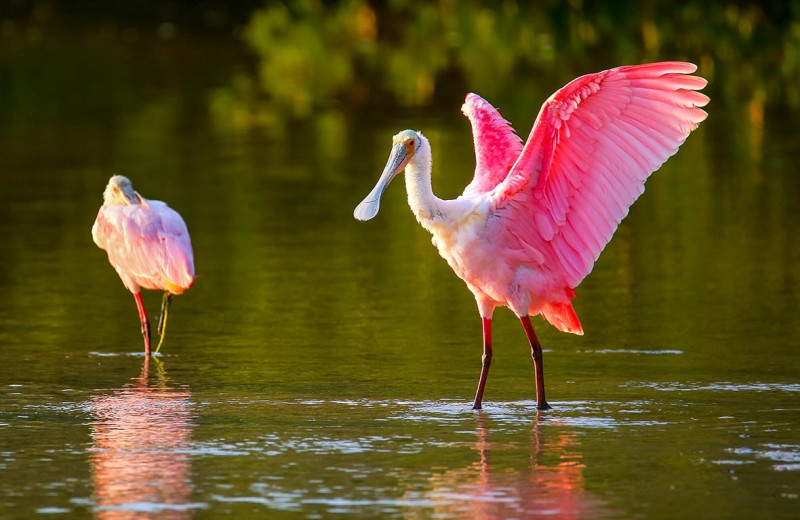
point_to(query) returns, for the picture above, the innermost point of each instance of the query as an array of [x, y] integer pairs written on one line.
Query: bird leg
[[162, 319], [145, 322], [486, 361], [538, 364]]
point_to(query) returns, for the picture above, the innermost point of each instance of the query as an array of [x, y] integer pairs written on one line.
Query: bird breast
[[465, 242], [496, 265]]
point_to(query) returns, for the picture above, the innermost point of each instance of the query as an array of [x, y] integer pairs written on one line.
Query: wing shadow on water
[[139, 458], [550, 485]]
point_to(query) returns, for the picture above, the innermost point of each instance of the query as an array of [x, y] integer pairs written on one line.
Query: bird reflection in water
[[139, 457], [550, 485]]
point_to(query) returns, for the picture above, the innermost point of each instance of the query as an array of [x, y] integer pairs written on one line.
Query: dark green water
[[323, 367]]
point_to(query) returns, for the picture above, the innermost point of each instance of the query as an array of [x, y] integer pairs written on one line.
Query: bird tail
[[562, 316]]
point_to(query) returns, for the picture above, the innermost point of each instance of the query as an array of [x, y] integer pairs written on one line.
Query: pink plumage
[[497, 146], [147, 243], [586, 160], [533, 220]]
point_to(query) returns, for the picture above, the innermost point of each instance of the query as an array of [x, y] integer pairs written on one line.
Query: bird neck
[[426, 206]]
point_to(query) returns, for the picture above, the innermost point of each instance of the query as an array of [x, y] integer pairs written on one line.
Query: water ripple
[[785, 456], [632, 351], [151, 507], [723, 386]]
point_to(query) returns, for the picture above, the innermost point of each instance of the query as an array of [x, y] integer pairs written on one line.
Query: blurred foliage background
[[270, 62]]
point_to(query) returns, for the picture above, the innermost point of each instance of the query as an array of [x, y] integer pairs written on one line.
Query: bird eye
[[411, 143]]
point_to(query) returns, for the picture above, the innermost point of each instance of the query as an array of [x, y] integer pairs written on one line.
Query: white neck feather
[[426, 206]]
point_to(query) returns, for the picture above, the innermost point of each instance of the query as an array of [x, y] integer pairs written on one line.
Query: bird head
[[404, 146], [120, 191]]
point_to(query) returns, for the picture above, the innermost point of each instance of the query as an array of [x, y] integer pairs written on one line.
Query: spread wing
[[593, 145], [148, 246], [497, 146]]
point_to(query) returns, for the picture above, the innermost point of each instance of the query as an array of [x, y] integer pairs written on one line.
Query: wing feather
[[593, 145], [497, 146], [149, 246]]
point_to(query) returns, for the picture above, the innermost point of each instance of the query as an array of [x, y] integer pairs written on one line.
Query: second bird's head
[[405, 146], [120, 191]]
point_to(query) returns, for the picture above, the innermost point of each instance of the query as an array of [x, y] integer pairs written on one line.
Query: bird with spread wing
[[534, 219]]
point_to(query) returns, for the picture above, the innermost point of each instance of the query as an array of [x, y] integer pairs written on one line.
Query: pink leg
[[486, 361], [145, 322], [538, 365]]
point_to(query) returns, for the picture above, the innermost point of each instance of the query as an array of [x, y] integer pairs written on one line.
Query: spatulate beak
[[398, 159]]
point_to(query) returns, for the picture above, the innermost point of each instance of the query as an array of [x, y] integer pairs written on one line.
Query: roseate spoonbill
[[534, 219], [148, 244]]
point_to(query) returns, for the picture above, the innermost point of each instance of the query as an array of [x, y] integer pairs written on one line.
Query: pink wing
[[149, 246], [592, 147], [497, 146]]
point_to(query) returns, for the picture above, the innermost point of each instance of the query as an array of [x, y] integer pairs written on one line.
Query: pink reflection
[[140, 439], [550, 486]]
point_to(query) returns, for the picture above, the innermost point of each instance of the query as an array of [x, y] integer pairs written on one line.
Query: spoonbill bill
[[534, 219], [148, 244]]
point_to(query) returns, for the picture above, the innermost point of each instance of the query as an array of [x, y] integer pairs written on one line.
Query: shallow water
[[323, 367]]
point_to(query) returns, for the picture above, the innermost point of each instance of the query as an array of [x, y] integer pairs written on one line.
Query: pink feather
[[591, 149], [497, 146], [147, 244]]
